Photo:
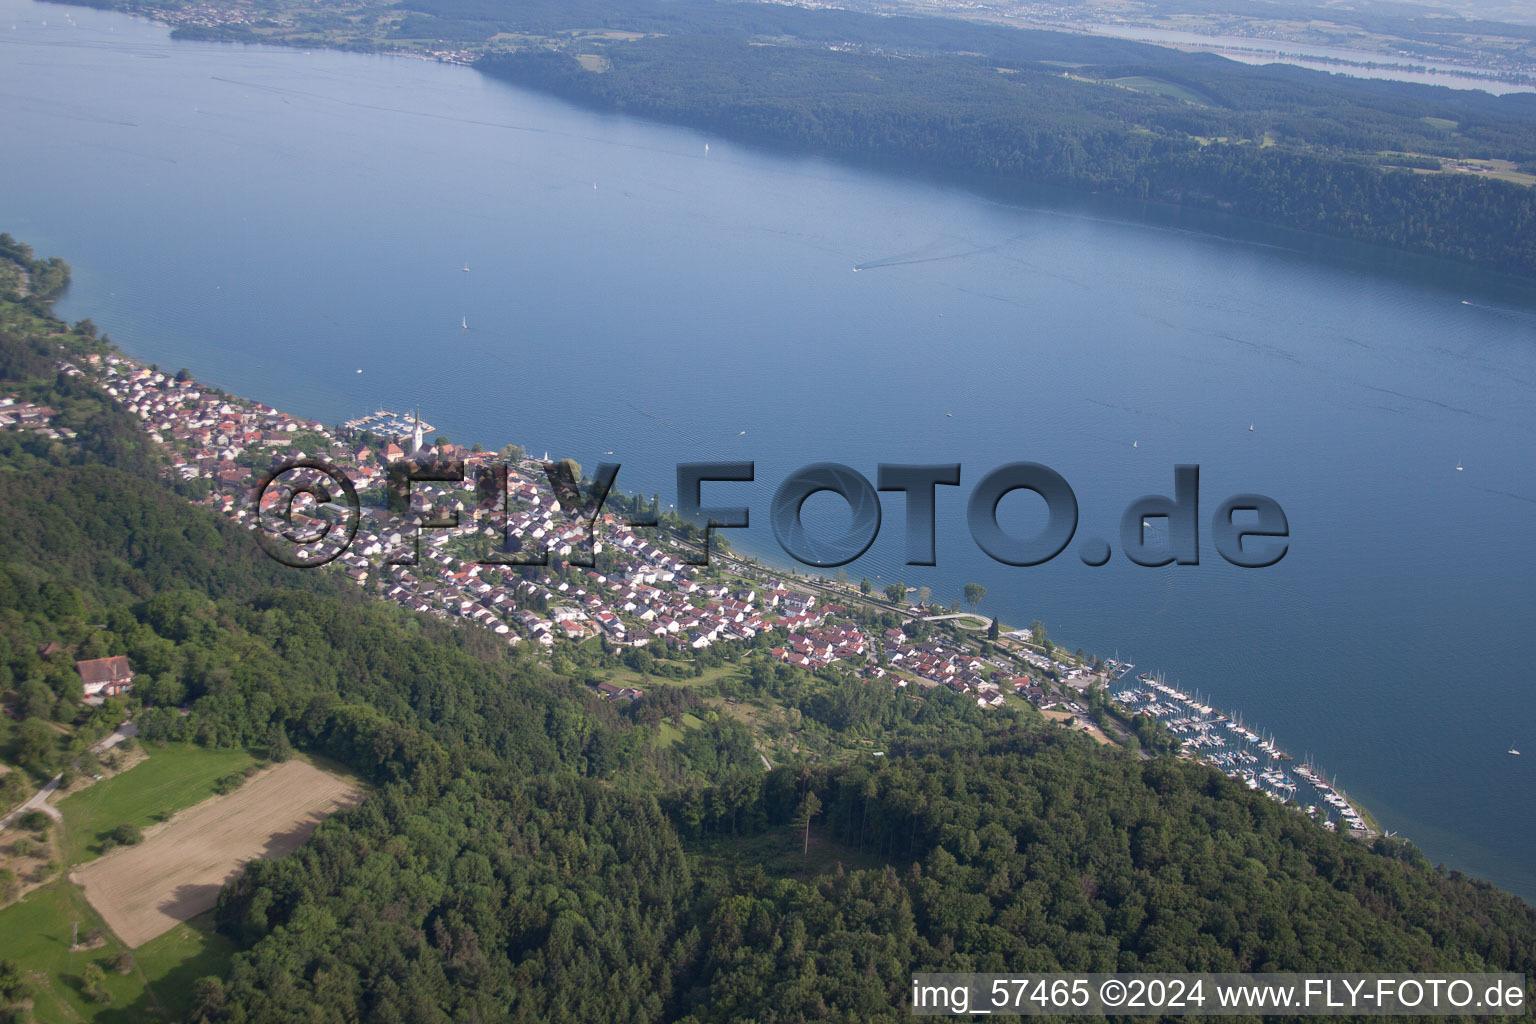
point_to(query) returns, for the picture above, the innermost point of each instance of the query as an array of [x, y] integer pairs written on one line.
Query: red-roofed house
[[105, 677]]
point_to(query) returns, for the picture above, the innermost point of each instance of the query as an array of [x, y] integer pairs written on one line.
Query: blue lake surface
[[277, 220]]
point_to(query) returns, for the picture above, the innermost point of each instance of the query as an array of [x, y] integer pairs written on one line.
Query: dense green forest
[[533, 853]]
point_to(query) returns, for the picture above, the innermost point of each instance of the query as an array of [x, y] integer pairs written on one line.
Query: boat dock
[[1254, 759], [387, 424]]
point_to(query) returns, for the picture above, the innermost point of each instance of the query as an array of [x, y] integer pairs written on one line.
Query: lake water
[[277, 220]]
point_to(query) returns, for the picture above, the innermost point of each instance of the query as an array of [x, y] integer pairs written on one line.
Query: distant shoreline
[[958, 119]]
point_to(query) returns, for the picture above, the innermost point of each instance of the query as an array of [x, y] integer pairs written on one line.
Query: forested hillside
[[534, 853], [1275, 145], [1425, 169]]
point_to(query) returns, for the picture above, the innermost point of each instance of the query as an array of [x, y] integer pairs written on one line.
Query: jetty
[[387, 423], [1243, 753]]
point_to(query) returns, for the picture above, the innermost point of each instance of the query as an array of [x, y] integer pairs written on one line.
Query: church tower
[[416, 437]]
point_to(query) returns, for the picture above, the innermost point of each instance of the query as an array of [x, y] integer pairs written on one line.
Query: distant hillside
[[1418, 168], [1424, 169]]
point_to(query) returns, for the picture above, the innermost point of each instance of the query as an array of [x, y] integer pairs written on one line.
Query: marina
[[388, 424], [1252, 758]]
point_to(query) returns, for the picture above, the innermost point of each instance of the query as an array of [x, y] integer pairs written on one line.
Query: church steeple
[[416, 435]]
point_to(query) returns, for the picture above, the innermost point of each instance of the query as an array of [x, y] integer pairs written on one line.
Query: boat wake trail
[[693, 439], [1508, 494], [410, 112], [932, 253], [1523, 315]]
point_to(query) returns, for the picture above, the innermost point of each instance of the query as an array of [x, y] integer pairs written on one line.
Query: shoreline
[[1237, 751], [1272, 782], [1236, 198], [1273, 50]]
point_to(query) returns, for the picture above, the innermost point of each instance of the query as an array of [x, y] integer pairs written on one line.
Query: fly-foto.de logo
[[308, 513]]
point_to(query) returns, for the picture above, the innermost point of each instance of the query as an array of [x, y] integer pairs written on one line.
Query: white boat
[[464, 322], [1512, 751], [1250, 428], [1458, 465], [466, 268], [1134, 444]]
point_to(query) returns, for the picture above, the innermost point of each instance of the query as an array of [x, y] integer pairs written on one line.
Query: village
[[646, 592], [615, 584], [16, 414]]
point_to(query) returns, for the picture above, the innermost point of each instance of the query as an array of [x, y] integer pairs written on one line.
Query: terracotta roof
[[98, 671]]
